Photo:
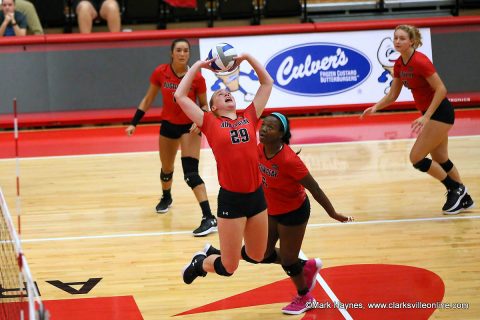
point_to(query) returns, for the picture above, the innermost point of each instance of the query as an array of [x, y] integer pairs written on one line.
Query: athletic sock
[[450, 184], [206, 212], [167, 194], [302, 292]]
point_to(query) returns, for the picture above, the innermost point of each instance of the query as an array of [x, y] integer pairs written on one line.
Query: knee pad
[[190, 172], [423, 165], [220, 269], [294, 269], [447, 165], [271, 258], [246, 257], [165, 177]]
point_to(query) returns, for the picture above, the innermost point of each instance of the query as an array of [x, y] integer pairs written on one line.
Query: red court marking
[[106, 308], [360, 284], [102, 140]]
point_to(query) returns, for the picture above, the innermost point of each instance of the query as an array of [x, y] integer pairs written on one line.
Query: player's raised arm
[[266, 82], [189, 106]]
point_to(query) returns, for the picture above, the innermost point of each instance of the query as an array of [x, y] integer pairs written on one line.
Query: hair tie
[[282, 119]]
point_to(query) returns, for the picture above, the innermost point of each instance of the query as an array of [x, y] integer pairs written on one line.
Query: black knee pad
[[423, 165], [271, 258], [294, 269], [447, 165], [246, 257], [165, 177], [190, 172], [220, 269]]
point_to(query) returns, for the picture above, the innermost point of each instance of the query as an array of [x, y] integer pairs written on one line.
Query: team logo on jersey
[[227, 124], [406, 74], [318, 69], [269, 172], [170, 85]]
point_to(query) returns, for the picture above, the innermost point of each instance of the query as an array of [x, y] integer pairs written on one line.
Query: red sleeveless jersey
[[234, 145], [413, 75], [164, 78], [280, 177]]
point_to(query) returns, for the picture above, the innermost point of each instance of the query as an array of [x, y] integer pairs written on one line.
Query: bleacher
[[59, 16], [380, 9]]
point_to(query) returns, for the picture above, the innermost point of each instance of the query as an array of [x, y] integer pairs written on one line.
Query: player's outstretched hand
[[418, 124], [194, 129], [341, 218], [238, 59], [130, 130], [207, 64], [368, 111]]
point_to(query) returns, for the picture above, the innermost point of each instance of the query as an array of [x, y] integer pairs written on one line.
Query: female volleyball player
[[175, 131], [241, 211], [285, 177], [416, 72]]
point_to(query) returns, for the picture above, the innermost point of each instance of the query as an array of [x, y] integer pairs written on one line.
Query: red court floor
[[305, 130]]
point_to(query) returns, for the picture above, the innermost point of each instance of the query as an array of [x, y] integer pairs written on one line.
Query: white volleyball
[[224, 55]]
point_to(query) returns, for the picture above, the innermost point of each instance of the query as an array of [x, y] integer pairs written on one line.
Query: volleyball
[[224, 55]]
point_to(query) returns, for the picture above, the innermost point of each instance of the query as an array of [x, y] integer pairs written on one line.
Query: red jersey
[[281, 176], [164, 78], [413, 76], [234, 145]]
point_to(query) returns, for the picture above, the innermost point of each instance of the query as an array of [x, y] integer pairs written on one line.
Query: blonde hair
[[413, 34]]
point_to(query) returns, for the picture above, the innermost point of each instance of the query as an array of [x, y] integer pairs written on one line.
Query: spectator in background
[[89, 10], [28, 10], [12, 22]]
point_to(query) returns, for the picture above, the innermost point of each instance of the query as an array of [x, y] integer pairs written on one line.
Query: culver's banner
[[314, 69]]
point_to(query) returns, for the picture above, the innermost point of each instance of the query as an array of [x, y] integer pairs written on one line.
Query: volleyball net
[[19, 296]]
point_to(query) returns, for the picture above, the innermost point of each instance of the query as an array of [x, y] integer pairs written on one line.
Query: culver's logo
[[318, 69]]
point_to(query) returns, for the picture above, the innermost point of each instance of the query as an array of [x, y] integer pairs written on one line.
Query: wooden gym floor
[[98, 250]]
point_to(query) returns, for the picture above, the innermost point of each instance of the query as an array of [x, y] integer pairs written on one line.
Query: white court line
[[108, 236], [446, 218], [329, 291], [156, 234]]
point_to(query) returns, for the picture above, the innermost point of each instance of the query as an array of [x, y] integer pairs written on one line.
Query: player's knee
[[190, 172], [165, 177], [447, 165], [247, 258], [271, 258], [226, 269], [252, 257], [112, 6], [294, 269], [423, 165]]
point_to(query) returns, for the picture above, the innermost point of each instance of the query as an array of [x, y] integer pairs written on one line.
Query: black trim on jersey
[[280, 150], [414, 50], [176, 75], [225, 117]]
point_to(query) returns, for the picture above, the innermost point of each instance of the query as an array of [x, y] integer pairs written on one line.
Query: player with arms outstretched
[[241, 213]]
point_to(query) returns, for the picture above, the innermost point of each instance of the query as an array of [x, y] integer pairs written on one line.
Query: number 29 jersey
[[234, 145]]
